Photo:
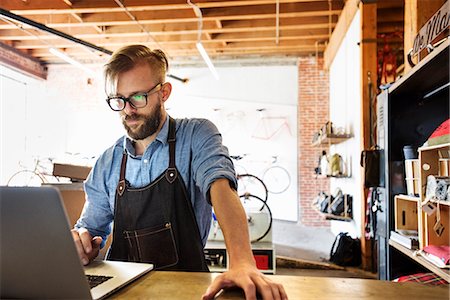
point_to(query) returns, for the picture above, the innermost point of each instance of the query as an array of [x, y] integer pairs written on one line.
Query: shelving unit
[[408, 112], [328, 139], [412, 254]]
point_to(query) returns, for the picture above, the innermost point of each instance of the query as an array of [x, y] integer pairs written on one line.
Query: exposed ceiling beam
[[349, 11]]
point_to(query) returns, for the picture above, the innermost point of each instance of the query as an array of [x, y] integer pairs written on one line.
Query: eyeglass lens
[[137, 101]]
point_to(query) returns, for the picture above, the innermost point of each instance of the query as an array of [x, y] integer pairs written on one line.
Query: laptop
[[38, 258]]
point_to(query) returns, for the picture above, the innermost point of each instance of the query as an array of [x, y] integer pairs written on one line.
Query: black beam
[[10, 15]]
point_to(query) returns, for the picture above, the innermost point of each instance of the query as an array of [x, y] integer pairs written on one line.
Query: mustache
[[131, 117]]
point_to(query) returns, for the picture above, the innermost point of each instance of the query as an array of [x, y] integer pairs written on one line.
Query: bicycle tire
[[33, 179], [249, 184], [257, 211], [277, 179]]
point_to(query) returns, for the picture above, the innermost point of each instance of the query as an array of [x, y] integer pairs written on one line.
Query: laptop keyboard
[[95, 280]]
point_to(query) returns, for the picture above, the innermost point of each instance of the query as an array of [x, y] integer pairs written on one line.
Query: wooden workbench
[[183, 285]]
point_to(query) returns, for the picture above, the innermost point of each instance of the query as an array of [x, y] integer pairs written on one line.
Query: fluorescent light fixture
[[207, 59], [72, 61], [198, 14]]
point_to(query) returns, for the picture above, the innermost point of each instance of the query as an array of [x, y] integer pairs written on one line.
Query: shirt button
[[145, 161]]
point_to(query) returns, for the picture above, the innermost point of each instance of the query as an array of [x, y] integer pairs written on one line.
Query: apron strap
[[122, 183], [171, 173]]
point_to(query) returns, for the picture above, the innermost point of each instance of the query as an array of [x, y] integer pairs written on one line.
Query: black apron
[[156, 223]]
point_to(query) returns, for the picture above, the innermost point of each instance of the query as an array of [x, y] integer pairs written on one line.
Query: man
[[158, 182]]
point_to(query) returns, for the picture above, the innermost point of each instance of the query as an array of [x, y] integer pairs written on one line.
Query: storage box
[[444, 166], [412, 172], [413, 186], [412, 168], [406, 212], [75, 173]]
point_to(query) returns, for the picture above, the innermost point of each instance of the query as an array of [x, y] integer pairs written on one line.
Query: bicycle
[[258, 215], [270, 126], [36, 176], [275, 179]]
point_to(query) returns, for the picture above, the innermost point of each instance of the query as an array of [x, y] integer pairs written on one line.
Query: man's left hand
[[251, 280]]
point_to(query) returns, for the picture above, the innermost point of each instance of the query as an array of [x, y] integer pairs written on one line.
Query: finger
[[78, 245], [283, 293], [260, 285], [219, 283], [96, 241], [276, 293], [86, 239]]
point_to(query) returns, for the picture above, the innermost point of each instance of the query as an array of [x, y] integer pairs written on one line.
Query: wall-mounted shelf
[[328, 139], [331, 176], [346, 217]]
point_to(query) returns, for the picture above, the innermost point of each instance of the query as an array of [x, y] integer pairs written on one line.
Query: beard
[[150, 125]]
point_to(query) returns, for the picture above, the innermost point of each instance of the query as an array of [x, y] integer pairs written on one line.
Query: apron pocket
[[155, 245]]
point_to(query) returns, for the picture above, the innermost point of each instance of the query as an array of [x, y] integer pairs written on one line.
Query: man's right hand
[[87, 246]]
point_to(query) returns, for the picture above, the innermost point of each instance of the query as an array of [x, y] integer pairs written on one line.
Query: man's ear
[[166, 91]]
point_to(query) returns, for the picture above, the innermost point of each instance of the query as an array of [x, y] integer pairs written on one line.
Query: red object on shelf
[[262, 261], [442, 252], [441, 135]]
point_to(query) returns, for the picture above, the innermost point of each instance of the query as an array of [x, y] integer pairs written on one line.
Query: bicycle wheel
[[25, 178], [277, 179], [249, 184], [259, 217]]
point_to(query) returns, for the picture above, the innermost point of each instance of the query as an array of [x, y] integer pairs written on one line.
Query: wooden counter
[[183, 285]]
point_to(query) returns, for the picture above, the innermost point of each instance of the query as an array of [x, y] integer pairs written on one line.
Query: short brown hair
[[127, 57]]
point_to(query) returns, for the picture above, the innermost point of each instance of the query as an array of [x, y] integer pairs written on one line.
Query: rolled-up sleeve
[[211, 160]]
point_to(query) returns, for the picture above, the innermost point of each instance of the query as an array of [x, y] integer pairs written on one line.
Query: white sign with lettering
[[437, 24]]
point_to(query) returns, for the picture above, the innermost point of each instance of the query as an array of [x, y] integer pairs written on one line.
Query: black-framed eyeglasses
[[137, 100]]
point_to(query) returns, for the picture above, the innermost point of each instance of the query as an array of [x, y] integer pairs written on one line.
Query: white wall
[[232, 103], [69, 115], [345, 108], [21, 130]]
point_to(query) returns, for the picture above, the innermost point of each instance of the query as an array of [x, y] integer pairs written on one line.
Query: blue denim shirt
[[200, 158]]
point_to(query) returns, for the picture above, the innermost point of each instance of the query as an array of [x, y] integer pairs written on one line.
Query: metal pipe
[[42, 27]]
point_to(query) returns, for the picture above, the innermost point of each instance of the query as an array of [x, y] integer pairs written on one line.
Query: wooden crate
[[406, 212], [429, 163]]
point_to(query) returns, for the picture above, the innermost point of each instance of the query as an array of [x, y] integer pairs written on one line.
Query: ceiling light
[[207, 59], [200, 48], [72, 61]]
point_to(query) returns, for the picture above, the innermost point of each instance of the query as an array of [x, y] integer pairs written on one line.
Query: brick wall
[[313, 112]]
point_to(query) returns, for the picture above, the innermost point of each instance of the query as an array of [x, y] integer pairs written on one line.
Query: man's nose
[[128, 109]]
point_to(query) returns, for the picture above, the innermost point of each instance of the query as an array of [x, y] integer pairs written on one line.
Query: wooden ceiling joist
[[228, 26]]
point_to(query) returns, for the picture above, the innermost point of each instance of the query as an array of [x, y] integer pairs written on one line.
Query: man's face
[[142, 122]]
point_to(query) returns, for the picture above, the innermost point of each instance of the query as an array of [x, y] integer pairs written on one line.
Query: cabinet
[[407, 114], [217, 256], [409, 215]]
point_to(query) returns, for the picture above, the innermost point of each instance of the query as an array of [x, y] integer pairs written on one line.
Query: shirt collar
[[128, 143]]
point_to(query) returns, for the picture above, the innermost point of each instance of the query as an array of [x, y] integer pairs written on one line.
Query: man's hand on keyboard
[[87, 246]]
